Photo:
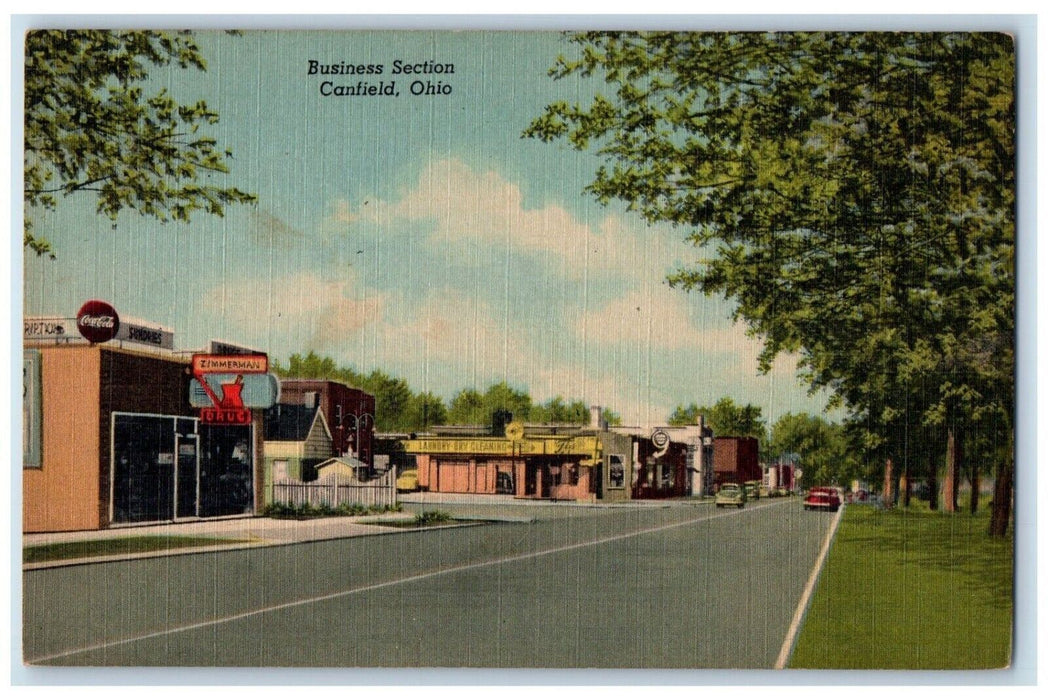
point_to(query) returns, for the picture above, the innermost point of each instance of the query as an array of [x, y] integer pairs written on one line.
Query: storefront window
[[225, 470], [167, 467], [616, 472]]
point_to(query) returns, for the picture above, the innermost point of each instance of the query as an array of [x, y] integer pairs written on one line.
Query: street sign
[[256, 390]]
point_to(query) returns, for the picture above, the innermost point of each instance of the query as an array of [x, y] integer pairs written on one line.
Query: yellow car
[[407, 480], [753, 490], [730, 495]]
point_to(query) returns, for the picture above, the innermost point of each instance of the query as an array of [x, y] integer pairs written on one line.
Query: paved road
[[680, 586]]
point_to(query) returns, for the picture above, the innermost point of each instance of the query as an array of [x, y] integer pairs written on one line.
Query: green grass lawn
[[911, 589], [122, 545]]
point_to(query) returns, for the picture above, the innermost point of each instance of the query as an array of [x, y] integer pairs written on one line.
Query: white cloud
[[323, 312], [643, 352], [657, 317], [466, 207]]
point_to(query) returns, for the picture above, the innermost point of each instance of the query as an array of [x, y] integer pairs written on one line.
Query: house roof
[[288, 422]]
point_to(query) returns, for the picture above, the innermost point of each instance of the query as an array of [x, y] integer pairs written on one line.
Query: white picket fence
[[337, 490]]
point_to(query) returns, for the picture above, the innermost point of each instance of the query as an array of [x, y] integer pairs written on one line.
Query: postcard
[[507, 349]]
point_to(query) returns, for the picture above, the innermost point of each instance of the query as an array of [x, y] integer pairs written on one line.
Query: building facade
[[111, 439], [296, 440], [736, 460], [567, 462], [349, 412]]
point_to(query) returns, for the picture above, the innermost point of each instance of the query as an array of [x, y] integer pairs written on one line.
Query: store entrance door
[[143, 471], [187, 469]]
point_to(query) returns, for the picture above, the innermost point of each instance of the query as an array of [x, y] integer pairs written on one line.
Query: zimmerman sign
[[227, 404]]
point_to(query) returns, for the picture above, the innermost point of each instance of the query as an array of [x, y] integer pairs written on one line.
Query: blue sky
[[418, 235]]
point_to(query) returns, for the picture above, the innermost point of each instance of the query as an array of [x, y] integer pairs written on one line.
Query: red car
[[822, 498]]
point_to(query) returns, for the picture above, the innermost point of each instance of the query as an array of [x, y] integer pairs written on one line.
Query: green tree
[[610, 417], [853, 193], [556, 410], [823, 449], [725, 417], [685, 415], [467, 408], [91, 128], [393, 401], [501, 396], [314, 366], [426, 409]]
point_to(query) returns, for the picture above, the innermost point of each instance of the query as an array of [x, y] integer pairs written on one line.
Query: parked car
[[730, 495], [822, 498], [407, 480], [753, 490]]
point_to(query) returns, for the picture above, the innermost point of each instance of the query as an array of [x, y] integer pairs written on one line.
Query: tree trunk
[[973, 498], [933, 486], [887, 499], [1002, 500], [904, 486], [953, 472]]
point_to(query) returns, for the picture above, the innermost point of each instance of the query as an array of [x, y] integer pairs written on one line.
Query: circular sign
[[97, 321], [660, 438], [515, 430]]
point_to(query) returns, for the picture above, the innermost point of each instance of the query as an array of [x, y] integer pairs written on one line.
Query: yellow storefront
[[561, 467]]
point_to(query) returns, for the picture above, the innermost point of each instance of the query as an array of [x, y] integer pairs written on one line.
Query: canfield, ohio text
[[422, 78]]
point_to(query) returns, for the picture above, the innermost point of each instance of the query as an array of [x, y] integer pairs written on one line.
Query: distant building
[[564, 462], [735, 460], [296, 440], [350, 414]]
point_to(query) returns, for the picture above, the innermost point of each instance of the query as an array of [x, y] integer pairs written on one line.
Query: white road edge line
[[809, 588], [387, 584]]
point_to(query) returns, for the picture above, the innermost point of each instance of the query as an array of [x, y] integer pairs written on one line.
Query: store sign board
[[256, 390], [225, 416], [227, 406], [230, 364], [49, 328], [147, 334], [222, 347], [62, 328], [97, 321]]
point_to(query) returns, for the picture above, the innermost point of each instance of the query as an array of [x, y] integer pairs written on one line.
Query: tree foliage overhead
[[852, 193], [91, 127]]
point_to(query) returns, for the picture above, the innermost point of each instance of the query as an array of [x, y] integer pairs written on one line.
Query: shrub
[[432, 517], [309, 510]]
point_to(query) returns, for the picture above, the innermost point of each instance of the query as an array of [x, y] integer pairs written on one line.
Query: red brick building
[[736, 460], [350, 413]]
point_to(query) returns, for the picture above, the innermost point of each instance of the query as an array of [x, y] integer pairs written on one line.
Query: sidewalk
[[250, 531], [256, 531]]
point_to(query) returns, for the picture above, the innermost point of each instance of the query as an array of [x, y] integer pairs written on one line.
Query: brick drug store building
[[117, 431]]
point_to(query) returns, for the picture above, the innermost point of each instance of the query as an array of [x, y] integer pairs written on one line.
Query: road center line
[[394, 582], [809, 588]]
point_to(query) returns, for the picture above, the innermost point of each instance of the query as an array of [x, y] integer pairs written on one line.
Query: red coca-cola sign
[[97, 321]]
